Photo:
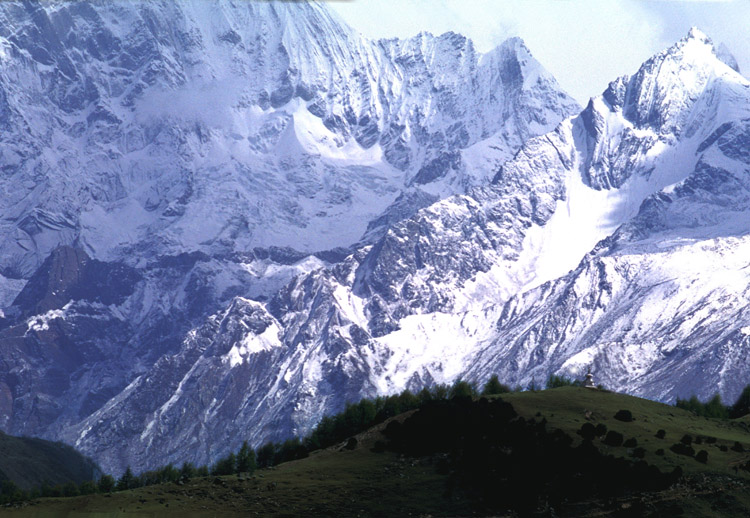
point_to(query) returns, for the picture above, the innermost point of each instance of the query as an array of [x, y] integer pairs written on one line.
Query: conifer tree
[[245, 459], [462, 390], [127, 480], [266, 453], [87, 488], [226, 465], [188, 471], [742, 406], [493, 387]]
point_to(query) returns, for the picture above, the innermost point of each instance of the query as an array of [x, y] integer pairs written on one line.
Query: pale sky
[[585, 44]]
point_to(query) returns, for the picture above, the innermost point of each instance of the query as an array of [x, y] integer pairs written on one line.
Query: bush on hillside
[[587, 431], [625, 416], [613, 438], [126, 481], [681, 448], [702, 456], [188, 471]]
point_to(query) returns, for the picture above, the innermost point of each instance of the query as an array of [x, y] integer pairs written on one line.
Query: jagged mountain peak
[[666, 87], [513, 59], [661, 303], [513, 45], [697, 48], [686, 65], [672, 97], [696, 34]]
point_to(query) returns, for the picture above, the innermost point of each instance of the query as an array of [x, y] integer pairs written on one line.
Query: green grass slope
[[568, 408], [31, 462], [373, 478]]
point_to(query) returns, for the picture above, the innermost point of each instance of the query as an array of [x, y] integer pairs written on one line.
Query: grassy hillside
[[418, 467], [31, 462], [568, 408]]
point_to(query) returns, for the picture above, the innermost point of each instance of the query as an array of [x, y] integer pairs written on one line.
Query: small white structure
[[589, 381]]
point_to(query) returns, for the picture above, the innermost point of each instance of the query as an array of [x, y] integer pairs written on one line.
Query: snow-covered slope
[[141, 128], [169, 170], [649, 186], [618, 239]]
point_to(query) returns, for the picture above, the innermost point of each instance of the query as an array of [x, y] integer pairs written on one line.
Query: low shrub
[[587, 431], [625, 416], [613, 438], [681, 448]]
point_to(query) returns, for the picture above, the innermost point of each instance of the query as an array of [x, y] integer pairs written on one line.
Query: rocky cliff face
[[190, 191]]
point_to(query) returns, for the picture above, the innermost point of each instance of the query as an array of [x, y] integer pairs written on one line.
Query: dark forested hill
[[29, 463]]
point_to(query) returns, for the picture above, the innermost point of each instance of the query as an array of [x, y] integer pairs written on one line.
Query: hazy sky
[[583, 43]]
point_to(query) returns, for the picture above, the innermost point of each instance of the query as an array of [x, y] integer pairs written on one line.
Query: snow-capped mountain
[[178, 180], [659, 307], [222, 221], [616, 240], [643, 196], [155, 128]]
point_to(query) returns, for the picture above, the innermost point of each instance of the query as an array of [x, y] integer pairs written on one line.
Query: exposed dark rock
[[69, 274]]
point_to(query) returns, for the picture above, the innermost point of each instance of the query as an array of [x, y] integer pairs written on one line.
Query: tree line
[[715, 408], [331, 430]]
